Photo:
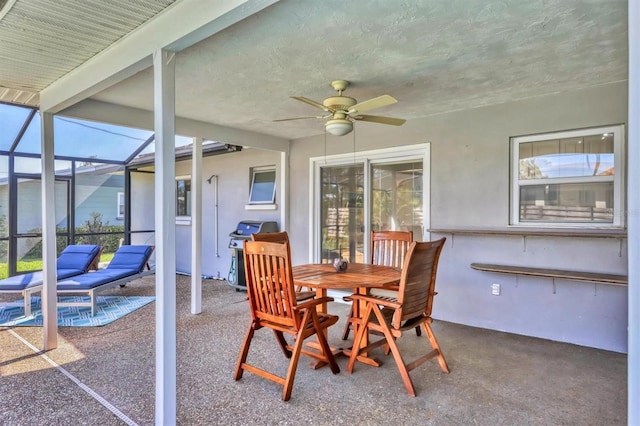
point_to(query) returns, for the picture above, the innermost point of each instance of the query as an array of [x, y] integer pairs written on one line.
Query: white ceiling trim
[[179, 26], [5, 7], [104, 112]]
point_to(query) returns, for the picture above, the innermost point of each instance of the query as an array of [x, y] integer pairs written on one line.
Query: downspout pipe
[[215, 213]]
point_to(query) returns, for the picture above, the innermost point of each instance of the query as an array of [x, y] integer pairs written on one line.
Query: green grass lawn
[[36, 265]]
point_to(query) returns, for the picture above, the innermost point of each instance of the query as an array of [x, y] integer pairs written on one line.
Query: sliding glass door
[[397, 197], [374, 190], [342, 213]]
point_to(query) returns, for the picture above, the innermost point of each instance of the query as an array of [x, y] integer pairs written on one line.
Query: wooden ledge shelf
[[535, 232], [610, 279]]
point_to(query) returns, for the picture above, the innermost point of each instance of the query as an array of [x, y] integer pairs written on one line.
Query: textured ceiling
[[42, 40], [433, 56]]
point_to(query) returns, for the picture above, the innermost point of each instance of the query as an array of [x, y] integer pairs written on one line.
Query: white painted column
[[49, 256], [165, 219], [633, 216], [196, 227], [284, 191]]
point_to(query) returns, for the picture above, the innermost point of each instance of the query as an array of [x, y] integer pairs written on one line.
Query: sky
[[72, 137]]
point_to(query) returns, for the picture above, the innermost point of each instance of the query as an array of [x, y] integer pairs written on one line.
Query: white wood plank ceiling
[[42, 40]]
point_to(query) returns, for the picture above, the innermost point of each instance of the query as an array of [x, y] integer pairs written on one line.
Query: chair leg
[[324, 345], [436, 346], [418, 331], [293, 363], [282, 342], [347, 326], [391, 342], [244, 352]]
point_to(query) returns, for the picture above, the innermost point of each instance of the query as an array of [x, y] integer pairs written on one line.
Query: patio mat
[[108, 309]]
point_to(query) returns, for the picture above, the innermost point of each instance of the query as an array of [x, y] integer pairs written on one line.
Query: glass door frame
[[417, 152], [14, 235]]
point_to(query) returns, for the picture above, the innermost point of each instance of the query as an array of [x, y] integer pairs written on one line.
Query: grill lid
[[248, 227]]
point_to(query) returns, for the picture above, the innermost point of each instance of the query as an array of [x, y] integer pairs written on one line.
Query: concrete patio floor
[[496, 378]]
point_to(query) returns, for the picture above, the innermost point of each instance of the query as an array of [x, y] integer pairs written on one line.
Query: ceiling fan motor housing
[[339, 103]]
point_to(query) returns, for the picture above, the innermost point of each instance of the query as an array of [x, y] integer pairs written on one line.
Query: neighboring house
[[102, 193], [98, 189]]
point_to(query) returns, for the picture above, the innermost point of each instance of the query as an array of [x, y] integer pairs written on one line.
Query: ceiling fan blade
[[378, 102], [380, 119], [312, 103], [297, 118]]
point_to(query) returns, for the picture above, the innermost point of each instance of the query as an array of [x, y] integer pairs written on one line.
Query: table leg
[[358, 308], [358, 311]]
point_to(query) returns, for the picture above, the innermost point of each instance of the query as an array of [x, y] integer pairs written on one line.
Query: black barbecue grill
[[243, 233]]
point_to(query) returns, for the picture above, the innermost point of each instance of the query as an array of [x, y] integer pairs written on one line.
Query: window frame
[[254, 172], [120, 203], [183, 219], [618, 178]]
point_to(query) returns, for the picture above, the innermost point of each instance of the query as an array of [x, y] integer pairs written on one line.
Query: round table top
[[357, 275]]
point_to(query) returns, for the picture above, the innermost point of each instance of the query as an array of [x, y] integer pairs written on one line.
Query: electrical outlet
[[495, 289]]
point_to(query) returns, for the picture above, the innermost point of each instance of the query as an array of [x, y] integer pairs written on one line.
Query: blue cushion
[[127, 261], [131, 258], [74, 260], [33, 279], [94, 279], [77, 257], [20, 282]]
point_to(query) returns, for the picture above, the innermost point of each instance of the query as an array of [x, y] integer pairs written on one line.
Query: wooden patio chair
[[388, 248], [283, 237], [393, 316], [274, 306]]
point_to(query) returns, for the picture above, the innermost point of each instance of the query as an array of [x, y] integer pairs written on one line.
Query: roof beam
[[104, 112], [181, 25]]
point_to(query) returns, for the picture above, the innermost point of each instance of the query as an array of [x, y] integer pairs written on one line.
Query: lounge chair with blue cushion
[[74, 260], [128, 264]]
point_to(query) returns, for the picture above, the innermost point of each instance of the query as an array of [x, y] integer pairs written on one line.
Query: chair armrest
[[313, 302], [378, 300]]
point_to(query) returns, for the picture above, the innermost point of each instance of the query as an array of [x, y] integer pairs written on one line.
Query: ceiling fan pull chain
[[325, 145], [354, 144]]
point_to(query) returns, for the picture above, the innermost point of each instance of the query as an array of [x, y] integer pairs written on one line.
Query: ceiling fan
[[344, 110]]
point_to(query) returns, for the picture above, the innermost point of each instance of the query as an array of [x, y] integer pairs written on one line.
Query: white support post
[[49, 295], [284, 190], [633, 216], [165, 218], [196, 227]]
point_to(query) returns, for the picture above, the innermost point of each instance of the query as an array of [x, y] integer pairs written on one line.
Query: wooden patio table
[[360, 277]]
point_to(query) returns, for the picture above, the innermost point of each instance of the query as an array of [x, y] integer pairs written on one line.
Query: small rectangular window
[[571, 178], [183, 196], [120, 211], [263, 186]]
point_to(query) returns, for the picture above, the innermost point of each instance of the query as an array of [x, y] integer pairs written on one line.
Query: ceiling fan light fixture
[[339, 126]]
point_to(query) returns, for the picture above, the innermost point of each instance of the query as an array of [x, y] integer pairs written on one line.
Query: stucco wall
[[233, 176], [470, 188], [233, 184]]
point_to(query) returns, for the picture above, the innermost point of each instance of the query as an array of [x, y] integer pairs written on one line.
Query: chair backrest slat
[[418, 280], [270, 282], [389, 248]]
